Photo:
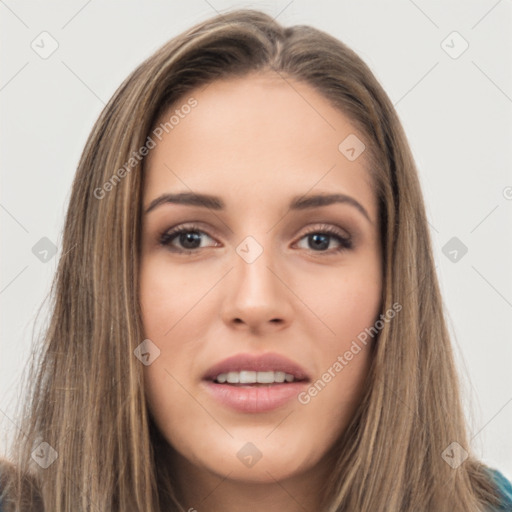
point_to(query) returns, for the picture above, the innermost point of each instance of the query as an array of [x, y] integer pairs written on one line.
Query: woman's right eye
[[189, 238]]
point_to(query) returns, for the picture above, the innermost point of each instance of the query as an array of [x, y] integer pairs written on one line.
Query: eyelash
[[345, 243]]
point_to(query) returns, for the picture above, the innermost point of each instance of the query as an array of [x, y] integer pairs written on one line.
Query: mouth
[[253, 378], [255, 384]]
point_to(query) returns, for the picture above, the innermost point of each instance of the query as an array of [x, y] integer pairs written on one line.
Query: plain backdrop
[[447, 67]]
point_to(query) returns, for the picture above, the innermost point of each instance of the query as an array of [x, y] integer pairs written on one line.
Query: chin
[[264, 471], [254, 462]]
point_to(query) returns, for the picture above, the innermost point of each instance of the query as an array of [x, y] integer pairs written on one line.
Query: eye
[[319, 238], [188, 236]]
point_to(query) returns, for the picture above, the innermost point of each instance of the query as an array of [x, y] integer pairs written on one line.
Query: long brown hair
[[85, 393]]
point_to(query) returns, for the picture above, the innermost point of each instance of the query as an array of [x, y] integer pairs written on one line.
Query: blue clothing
[[505, 488]]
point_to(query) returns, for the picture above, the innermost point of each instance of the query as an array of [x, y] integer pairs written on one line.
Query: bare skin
[[256, 143]]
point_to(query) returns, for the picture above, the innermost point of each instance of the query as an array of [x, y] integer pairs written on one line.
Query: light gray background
[[457, 113]]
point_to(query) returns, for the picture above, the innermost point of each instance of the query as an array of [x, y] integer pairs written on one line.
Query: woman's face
[[255, 275]]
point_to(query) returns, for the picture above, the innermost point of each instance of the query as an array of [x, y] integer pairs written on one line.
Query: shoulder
[[505, 488]]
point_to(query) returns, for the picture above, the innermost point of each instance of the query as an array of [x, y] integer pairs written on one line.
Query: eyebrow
[[216, 203]]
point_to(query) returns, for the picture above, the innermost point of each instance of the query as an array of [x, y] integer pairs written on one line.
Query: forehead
[[259, 137]]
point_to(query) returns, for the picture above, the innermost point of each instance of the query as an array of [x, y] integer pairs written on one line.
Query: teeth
[[280, 376], [233, 377], [251, 377]]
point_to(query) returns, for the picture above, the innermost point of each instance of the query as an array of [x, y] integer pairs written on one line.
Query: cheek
[[157, 295], [347, 303], [349, 307], [354, 308], [169, 305], [168, 296], [350, 310]]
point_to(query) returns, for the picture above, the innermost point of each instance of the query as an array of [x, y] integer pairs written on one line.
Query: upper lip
[[259, 363]]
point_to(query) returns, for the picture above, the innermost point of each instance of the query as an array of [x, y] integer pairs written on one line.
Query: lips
[[255, 397], [270, 362]]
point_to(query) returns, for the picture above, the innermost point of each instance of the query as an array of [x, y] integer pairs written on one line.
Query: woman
[[210, 348]]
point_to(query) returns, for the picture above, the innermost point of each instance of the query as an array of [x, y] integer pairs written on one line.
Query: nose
[[258, 298]]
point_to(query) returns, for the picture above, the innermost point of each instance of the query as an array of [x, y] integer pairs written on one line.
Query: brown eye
[[319, 239], [188, 238]]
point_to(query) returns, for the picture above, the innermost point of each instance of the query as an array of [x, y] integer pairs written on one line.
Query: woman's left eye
[[190, 238], [319, 238]]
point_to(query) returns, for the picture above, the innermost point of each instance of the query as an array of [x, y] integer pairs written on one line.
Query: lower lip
[[254, 398]]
